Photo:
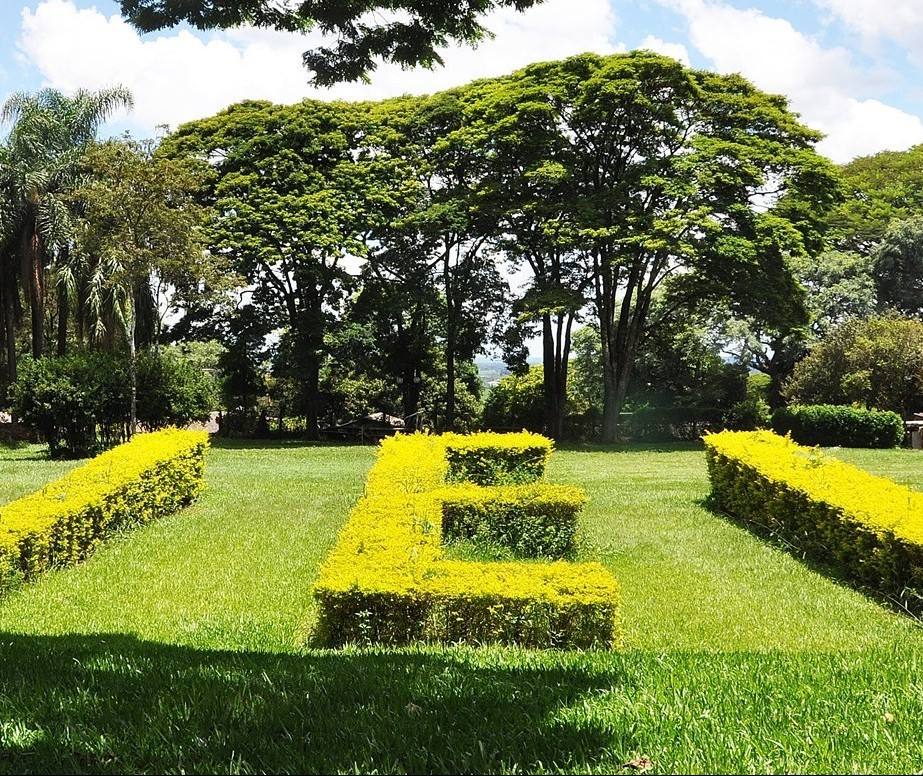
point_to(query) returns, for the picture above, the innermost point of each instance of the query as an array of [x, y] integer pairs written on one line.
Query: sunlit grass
[[178, 647]]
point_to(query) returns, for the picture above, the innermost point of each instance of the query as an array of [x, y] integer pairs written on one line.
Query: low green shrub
[[869, 528], [388, 578], [748, 415], [534, 521], [836, 425], [496, 459], [150, 476]]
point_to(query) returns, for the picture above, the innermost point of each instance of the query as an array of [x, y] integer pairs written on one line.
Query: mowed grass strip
[[176, 648]]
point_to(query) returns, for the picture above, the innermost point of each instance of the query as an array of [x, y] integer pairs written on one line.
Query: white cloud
[[178, 76], [675, 50], [897, 20], [823, 84], [864, 127]]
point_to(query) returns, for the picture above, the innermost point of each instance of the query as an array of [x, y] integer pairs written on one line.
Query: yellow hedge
[[870, 527], [152, 475], [388, 580], [496, 459]]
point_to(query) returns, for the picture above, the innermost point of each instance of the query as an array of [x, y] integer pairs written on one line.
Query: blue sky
[[852, 68]]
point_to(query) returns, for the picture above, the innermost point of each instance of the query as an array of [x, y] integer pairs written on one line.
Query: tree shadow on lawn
[[111, 703]]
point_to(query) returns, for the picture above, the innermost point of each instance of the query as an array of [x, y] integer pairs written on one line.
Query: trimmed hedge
[[838, 425], [387, 579], [868, 527], [496, 459], [534, 521], [150, 476]]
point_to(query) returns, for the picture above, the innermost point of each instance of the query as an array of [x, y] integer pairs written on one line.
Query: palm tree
[[39, 166]]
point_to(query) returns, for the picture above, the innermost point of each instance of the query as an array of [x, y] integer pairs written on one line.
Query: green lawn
[[177, 647]]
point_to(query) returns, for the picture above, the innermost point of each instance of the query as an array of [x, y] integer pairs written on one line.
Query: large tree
[[405, 32], [441, 236], [675, 175], [39, 167], [287, 203], [898, 267], [879, 189], [141, 242]]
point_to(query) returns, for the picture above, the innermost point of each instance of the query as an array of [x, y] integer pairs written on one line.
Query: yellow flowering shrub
[[388, 579], [496, 459], [869, 527], [150, 476], [537, 520]]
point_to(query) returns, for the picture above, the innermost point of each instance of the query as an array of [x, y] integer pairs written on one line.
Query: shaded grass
[[177, 648]]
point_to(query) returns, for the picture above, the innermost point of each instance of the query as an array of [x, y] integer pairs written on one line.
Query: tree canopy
[[405, 32]]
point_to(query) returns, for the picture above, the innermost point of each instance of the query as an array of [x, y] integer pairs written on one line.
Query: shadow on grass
[[111, 703]]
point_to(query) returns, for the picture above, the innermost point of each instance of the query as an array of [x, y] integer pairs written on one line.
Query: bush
[[748, 415], [81, 403], [148, 477], [78, 403], [836, 425], [534, 521], [388, 579], [868, 527], [172, 391], [516, 402], [496, 459]]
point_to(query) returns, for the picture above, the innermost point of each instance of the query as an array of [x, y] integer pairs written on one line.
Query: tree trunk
[[9, 302], [63, 315], [556, 331], [37, 295], [449, 347], [132, 371]]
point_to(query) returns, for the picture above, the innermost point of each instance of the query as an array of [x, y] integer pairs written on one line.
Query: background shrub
[[80, 403], [830, 425], [748, 415]]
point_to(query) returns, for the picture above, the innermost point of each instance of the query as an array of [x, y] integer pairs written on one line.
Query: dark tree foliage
[[406, 32]]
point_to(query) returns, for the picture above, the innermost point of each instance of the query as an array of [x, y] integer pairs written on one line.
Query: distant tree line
[[674, 232]]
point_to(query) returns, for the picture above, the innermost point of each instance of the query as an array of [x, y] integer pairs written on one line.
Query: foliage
[[80, 402], [496, 459], [174, 391], [283, 170], [77, 402], [834, 425], [405, 33], [533, 521], [515, 402], [867, 527], [880, 190], [151, 476], [387, 580], [748, 415], [662, 164], [680, 364], [898, 267], [876, 363], [39, 170]]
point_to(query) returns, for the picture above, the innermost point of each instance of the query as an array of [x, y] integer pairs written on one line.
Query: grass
[[177, 647]]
